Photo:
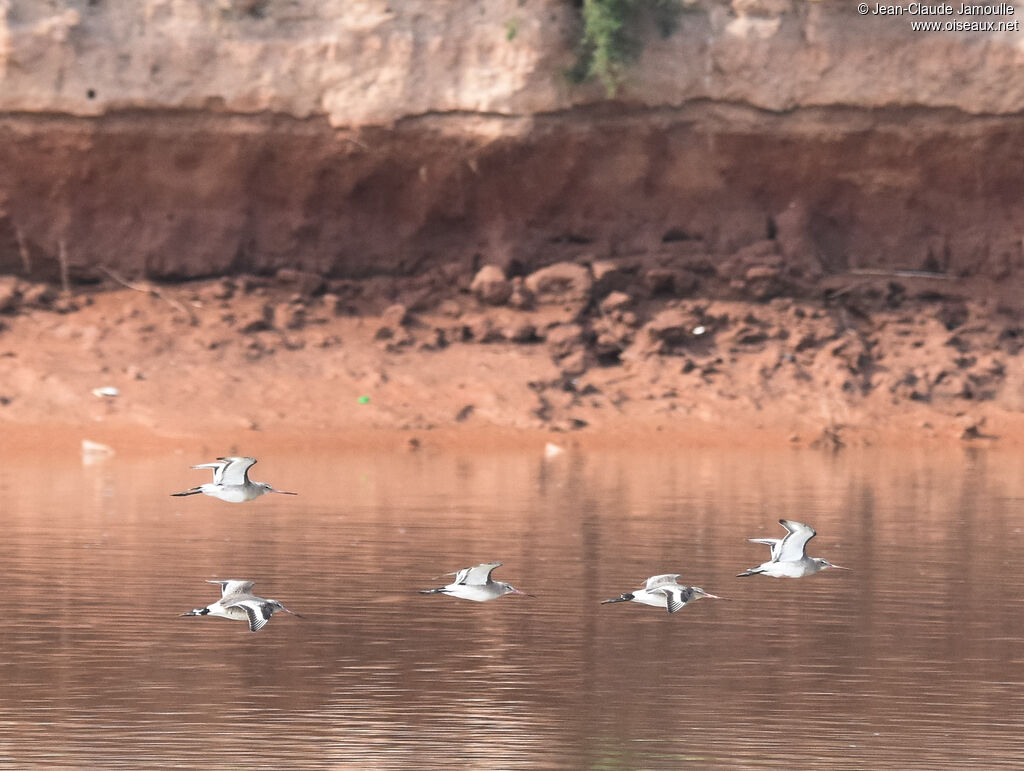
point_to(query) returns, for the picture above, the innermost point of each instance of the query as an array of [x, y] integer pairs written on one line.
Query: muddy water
[[914, 659]]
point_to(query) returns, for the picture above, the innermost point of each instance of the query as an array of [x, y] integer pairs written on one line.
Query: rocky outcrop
[[564, 283], [490, 285]]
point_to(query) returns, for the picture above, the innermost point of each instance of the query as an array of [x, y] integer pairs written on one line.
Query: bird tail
[[192, 491]]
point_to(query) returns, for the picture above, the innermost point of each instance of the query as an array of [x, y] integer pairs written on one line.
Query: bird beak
[[715, 596], [614, 599], [840, 567], [282, 492], [190, 613], [516, 591]]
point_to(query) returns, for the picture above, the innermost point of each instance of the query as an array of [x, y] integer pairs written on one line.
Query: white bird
[[231, 481], [664, 592], [475, 584], [238, 602], [789, 555]]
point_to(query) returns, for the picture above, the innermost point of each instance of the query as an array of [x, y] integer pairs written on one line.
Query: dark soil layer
[[183, 196]]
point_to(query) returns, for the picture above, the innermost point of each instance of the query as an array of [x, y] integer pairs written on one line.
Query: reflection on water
[[911, 660]]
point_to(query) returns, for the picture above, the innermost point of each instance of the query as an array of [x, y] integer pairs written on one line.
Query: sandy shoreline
[[249, 363], [126, 438]]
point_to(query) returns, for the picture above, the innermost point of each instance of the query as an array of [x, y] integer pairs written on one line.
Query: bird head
[[698, 593], [509, 589], [824, 563], [270, 489]]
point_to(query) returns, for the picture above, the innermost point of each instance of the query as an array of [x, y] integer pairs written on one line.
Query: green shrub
[[610, 38]]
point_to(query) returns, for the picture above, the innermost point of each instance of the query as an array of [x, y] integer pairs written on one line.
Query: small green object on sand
[[363, 400]]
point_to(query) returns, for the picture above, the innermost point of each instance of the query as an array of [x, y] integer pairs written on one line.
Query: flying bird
[[475, 584], [231, 481], [789, 555], [664, 591], [238, 602]]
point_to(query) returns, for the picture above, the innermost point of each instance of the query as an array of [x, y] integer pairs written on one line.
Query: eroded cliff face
[[352, 62], [757, 157], [178, 139], [360, 62]]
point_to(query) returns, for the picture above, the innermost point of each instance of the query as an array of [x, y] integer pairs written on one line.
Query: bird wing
[[231, 587], [218, 469], [673, 598], [259, 612], [657, 582], [235, 471], [478, 575], [460, 576], [774, 543], [794, 545]]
